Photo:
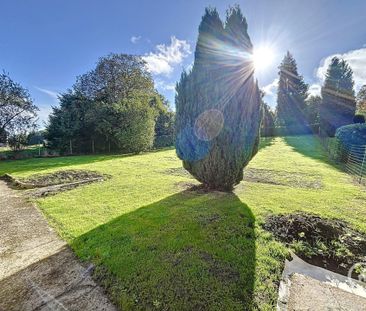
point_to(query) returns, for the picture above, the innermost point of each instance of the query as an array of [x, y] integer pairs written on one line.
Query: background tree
[[218, 103], [164, 127], [291, 95], [92, 115], [311, 109], [338, 99], [116, 77], [17, 111], [268, 120], [361, 100]]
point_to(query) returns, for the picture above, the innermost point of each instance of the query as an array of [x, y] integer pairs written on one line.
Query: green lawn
[[158, 245]]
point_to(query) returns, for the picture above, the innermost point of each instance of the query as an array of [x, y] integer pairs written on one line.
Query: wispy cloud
[[50, 93], [355, 58], [135, 39], [165, 57]]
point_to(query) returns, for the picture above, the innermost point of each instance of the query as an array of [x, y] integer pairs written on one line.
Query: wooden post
[[362, 165], [93, 149], [70, 146]]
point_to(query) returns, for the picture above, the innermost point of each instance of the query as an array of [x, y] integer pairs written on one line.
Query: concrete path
[[307, 287], [38, 271]]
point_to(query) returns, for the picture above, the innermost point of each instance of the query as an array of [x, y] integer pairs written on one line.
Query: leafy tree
[[90, 115], [17, 141], [17, 111], [311, 110], [218, 103], [338, 105], [361, 100], [291, 95], [130, 123], [116, 77]]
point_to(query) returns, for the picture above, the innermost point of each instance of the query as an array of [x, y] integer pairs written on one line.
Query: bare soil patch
[[328, 243], [60, 177], [283, 178], [272, 177]]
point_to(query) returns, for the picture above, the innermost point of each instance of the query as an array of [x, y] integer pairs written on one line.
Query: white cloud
[[163, 60], [164, 86], [355, 58], [135, 39], [271, 89], [270, 93], [54, 95], [314, 89]]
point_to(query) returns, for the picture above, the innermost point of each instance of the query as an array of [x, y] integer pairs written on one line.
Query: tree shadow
[[310, 146], [266, 142], [42, 164], [189, 251]]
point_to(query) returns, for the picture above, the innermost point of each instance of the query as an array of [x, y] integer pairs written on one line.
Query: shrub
[[353, 134], [17, 142], [359, 118]]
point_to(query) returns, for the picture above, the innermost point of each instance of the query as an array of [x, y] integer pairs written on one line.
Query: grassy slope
[[163, 247]]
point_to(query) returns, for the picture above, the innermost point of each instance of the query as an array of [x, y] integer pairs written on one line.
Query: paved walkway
[[37, 269]]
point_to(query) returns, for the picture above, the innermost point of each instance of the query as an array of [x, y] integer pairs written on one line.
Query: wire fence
[[351, 157]]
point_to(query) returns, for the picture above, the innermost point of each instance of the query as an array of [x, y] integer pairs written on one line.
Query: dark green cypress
[[218, 103], [338, 104]]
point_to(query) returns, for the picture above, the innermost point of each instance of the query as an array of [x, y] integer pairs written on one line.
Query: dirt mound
[[60, 177], [327, 243]]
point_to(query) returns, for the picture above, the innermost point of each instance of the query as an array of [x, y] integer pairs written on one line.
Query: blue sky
[[45, 44]]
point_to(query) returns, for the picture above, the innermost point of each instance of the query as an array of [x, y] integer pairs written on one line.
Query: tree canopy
[[17, 111], [338, 105], [291, 95], [114, 107]]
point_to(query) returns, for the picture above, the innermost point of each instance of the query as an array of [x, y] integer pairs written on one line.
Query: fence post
[[363, 163]]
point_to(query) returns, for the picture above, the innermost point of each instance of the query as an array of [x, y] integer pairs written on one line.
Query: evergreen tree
[[268, 120], [338, 105], [361, 100], [291, 95], [312, 109], [218, 103]]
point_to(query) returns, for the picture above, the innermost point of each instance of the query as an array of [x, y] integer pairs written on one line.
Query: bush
[[17, 142], [359, 118], [353, 134]]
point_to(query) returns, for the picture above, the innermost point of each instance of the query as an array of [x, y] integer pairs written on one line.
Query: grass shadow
[[189, 251], [266, 142], [41, 164], [310, 146]]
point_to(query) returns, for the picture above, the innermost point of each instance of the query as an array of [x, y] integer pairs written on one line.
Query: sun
[[263, 57]]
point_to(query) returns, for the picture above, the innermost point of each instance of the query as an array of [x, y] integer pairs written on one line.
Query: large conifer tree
[[291, 95], [338, 105], [218, 103]]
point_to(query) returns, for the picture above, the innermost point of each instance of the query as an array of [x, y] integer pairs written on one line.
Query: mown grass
[[159, 245]]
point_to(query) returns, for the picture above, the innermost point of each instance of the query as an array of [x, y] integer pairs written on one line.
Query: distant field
[[159, 245]]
